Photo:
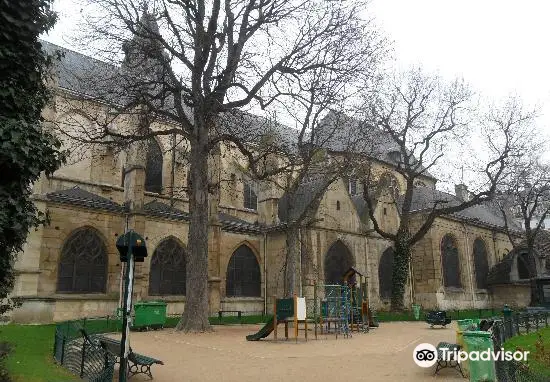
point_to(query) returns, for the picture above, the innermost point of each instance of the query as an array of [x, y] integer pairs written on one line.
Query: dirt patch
[[384, 354]]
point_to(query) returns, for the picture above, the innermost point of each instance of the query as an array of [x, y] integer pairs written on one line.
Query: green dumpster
[[481, 365], [149, 314], [416, 311]]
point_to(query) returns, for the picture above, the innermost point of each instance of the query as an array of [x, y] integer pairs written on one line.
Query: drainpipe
[[469, 263], [367, 270], [411, 282], [265, 273], [300, 262], [173, 172]]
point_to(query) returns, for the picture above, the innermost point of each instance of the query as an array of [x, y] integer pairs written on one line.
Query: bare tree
[[188, 64], [524, 196], [419, 115], [319, 149]]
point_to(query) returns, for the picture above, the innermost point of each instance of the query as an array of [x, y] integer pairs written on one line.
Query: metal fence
[[508, 327], [84, 356]]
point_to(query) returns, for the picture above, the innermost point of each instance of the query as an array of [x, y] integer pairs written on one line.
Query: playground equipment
[[361, 316], [338, 309], [285, 310]]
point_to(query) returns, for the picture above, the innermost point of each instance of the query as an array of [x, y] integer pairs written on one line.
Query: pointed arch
[[153, 166], [167, 275], [337, 261], [481, 264], [385, 273], [526, 265], [83, 262], [450, 262], [243, 277]]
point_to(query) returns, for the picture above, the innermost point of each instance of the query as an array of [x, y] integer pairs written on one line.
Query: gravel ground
[[383, 354]]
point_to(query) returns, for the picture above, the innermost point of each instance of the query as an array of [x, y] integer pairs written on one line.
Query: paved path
[[384, 354]]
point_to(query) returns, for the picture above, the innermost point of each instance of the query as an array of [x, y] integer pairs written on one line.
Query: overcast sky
[[500, 47]]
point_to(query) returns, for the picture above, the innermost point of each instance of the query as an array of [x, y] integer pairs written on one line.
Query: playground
[[383, 354]]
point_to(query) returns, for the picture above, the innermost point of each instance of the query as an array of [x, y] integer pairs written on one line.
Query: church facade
[[71, 268]]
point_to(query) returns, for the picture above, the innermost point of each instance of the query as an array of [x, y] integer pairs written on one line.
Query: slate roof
[[292, 205], [160, 209], [486, 214], [233, 223], [81, 74], [80, 197], [339, 132], [228, 222]]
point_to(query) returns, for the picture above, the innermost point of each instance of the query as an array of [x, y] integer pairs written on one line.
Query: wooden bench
[[137, 363], [450, 361], [221, 312]]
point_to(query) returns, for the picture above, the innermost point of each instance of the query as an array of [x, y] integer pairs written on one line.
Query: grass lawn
[[527, 343], [30, 358]]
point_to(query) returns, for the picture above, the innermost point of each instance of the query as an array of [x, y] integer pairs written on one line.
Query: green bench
[[137, 363], [443, 363]]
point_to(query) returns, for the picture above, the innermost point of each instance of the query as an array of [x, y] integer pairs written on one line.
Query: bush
[[4, 350]]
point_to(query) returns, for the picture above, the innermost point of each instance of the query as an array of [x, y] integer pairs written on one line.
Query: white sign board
[[301, 307]]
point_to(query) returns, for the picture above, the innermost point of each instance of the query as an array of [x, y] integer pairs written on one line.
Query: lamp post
[[131, 248], [127, 308]]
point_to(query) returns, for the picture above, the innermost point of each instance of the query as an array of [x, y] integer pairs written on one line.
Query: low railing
[[84, 358], [508, 327]]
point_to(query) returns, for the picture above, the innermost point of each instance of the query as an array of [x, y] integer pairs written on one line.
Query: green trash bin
[[149, 315], [481, 369], [462, 326], [416, 311]]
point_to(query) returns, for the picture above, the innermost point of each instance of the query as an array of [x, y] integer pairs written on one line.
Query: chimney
[[461, 192]]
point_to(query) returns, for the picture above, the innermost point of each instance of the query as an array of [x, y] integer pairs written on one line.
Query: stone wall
[[517, 295], [427, 267]]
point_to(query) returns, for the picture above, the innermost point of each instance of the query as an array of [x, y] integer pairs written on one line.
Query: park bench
[[437, 318], [137, 363], [450, 361], [221, 312]]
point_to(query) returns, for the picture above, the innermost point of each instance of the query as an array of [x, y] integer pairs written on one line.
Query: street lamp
[[132, 249]]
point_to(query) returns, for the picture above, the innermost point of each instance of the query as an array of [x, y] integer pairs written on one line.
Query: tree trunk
[[400, 272], [195, 315], [292, 253]]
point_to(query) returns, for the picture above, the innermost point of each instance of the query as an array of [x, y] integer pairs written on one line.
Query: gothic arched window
[[526, 266], [167, 275], [352, 186], [450, 262], [481, 265], [243, 274], [153, 167], [337, 261], [83, 263], [250, 198], [385, 271]]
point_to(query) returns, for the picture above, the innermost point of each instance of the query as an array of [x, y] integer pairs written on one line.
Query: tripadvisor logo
[[426, 355]]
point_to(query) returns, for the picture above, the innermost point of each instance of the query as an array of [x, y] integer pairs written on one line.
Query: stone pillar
[[215, 232], [134, 198]]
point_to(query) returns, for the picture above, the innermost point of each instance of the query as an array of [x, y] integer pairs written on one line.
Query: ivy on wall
[[27, 149]]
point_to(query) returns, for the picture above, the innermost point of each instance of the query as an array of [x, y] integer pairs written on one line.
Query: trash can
[[416, 311], [149, 314], [462, 326], [482, 368]]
